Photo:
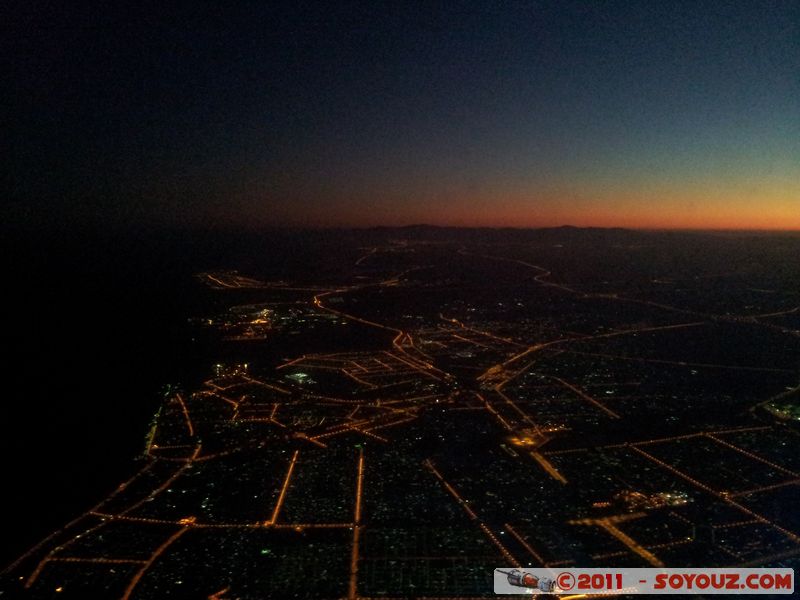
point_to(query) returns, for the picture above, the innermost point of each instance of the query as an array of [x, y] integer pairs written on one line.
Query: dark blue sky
[[653, 114]]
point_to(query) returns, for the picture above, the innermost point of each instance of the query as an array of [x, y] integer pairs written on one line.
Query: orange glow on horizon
[[702, 205], [630, 216]]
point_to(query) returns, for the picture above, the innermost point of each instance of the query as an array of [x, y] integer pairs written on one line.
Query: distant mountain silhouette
[[554, 235]]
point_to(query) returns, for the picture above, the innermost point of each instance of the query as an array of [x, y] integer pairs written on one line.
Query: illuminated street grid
[[473, 438]]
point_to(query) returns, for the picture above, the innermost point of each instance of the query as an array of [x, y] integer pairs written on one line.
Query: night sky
[[649, 114]]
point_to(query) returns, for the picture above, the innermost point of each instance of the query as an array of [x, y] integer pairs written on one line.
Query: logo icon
[[519, 578]]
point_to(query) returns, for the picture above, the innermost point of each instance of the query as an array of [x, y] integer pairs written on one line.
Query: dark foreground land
[[393, 413]]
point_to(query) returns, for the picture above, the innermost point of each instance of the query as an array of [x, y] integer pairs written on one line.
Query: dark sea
[[95, 324]]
